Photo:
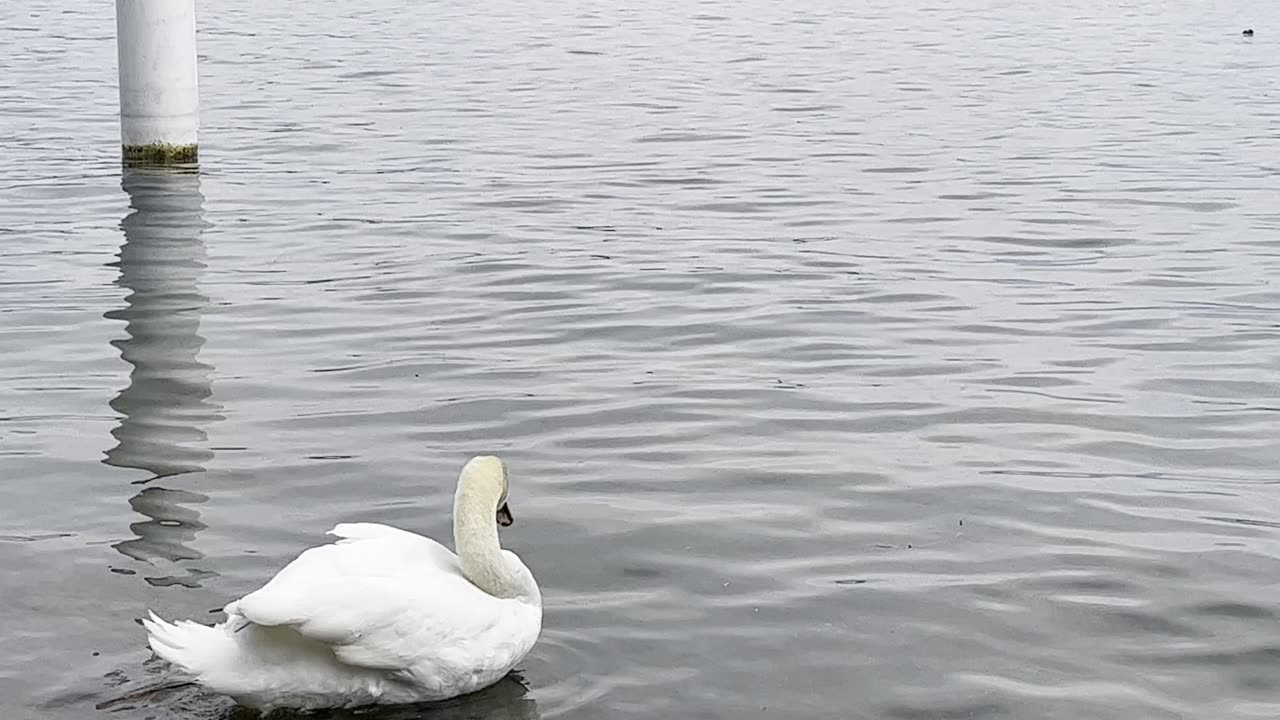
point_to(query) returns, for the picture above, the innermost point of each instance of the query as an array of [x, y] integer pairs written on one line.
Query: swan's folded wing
[[378, 602], [348, 532]]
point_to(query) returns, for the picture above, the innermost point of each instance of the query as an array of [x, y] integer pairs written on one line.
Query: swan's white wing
[[369, 531], [381, 598]]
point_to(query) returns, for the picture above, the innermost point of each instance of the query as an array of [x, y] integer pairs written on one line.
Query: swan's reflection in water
[[168, 402], [508, 699]]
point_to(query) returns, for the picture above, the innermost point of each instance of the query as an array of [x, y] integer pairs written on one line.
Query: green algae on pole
[[159, 89]]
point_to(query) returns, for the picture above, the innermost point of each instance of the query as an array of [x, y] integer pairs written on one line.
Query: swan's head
[[487, 475]]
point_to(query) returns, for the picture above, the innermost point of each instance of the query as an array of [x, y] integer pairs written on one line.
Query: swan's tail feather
[[261, 667], [189, 645]]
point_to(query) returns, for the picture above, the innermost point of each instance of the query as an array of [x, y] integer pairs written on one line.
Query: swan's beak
[[504, 516]]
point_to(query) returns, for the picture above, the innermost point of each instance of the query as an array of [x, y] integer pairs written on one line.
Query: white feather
[[381, 616]]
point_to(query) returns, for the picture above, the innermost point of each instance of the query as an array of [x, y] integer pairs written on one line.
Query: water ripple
[[843, 370]]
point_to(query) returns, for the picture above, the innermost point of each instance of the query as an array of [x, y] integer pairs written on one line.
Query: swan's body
[[381, 616]]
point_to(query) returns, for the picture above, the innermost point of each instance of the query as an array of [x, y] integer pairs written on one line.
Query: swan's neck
[[475, 540]]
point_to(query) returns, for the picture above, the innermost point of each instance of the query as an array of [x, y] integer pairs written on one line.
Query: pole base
[[160, 155]]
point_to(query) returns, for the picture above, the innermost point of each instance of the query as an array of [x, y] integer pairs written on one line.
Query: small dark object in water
[[1248, 33]]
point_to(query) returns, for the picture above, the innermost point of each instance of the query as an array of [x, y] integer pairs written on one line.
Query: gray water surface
[[852, 360]]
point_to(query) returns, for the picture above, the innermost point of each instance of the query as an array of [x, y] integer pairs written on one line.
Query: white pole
[[159, 97]]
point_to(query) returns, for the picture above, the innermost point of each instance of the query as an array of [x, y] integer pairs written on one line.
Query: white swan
[[383, 616]]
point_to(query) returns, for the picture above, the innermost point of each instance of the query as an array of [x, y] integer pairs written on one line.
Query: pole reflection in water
[[168, 403]]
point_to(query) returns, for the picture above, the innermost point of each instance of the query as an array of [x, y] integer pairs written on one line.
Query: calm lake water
[[853, 360]]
